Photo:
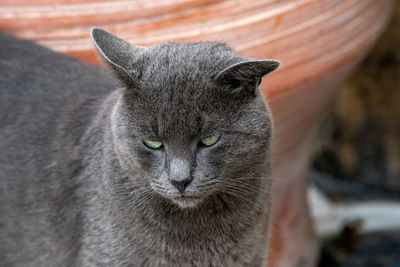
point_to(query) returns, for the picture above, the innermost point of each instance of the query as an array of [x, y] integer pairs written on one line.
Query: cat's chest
[[202, 254], [210, 247], [144, 239]]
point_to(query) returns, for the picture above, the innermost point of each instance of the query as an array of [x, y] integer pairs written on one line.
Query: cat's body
[[74, 173]]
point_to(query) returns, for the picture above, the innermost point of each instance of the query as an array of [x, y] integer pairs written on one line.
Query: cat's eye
[[152, 144], [209, 141]]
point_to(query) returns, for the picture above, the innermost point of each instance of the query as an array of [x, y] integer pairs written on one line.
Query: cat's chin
[[185, 202]]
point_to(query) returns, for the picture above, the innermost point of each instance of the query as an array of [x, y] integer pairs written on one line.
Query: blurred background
[[357, 159], [336, 152]]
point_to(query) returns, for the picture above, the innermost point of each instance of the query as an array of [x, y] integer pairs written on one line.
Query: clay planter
[[318, 42]]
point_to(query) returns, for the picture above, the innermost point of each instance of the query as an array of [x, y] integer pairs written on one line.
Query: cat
[[162, 159]]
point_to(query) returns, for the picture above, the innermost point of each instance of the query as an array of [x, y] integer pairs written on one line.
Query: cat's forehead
[[180, 110], [192, 59], [178, 77], [179, 73], [209, 51], [178, 93]]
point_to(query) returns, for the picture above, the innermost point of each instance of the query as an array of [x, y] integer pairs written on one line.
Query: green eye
[[153, 144], [209, 141]]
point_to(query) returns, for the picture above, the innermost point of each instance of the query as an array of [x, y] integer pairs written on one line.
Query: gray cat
[[164, 163]]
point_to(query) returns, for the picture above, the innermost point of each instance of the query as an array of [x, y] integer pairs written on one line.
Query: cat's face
[[183, 168], [191, 118]]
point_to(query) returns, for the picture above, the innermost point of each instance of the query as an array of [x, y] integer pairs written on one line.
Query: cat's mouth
[[186, 201]]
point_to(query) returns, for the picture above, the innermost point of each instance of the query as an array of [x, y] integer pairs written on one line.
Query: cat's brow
[[209, 127], [244, 133], [154, 128]]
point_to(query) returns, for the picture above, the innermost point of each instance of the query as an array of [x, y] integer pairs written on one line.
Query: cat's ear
[[247, 73], [118, 53]]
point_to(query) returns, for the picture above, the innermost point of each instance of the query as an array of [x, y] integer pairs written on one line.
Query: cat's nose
[[181, 184], [179, 174]]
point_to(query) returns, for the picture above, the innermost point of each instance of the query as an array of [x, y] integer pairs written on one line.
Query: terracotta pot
[[318, 41]]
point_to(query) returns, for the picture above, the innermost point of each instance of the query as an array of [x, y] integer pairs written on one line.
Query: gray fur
[[78, 186]]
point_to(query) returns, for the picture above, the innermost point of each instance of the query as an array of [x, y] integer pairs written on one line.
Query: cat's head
[[190, 116]]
